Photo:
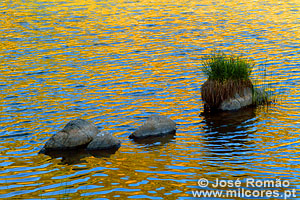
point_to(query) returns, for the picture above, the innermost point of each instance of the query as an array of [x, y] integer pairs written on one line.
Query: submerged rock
[[238, 101], [76, 133], [104, 140], [155, 125]]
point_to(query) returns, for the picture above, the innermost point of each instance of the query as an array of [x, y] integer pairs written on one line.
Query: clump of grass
[[261, 97], [221, 67]]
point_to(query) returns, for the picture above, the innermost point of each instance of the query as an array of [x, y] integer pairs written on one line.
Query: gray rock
[[238, 101], [76, 133], [104, 140], [155, 125]]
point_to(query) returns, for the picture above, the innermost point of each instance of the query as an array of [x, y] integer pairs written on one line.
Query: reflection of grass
[[228, 75], [40, 190], [66, 193], [67, 190]]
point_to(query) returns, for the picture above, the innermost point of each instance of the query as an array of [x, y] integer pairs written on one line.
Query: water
[[116, 62]]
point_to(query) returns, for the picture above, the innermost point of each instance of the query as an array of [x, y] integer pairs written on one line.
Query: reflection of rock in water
[[103, 152], [227, 132], [156, 141], [75, 156], [69, 156]]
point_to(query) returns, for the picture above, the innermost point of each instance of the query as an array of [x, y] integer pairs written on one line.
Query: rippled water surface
[[116, 62]]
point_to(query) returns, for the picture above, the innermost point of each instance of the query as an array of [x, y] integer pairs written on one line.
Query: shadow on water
[[75, 156], [227, 133]]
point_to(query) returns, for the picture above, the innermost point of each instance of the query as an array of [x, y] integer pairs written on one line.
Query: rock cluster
[[81, 133]]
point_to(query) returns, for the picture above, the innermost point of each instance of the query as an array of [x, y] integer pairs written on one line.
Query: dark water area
[[114, 63]]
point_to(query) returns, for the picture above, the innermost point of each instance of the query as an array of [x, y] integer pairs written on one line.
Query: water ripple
[[114, 64]]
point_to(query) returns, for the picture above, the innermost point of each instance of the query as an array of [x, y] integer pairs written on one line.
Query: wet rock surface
[[76, 133], [155, 125], [104, 140], [238, 101]]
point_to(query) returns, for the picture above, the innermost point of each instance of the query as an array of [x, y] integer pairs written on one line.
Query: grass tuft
[[220, 67]]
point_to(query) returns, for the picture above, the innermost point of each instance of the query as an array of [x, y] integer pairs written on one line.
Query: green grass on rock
[[221, 67]]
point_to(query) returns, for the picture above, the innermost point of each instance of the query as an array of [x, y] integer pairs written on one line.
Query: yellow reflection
[[116, 48]]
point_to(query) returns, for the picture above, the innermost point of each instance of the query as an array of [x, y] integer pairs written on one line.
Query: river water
[[114, 63]]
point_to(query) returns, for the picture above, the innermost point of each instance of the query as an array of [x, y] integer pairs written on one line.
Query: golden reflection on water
[[114, 63]]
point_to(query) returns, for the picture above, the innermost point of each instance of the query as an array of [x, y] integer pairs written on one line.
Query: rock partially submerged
[[76, 133], [238, 101], [155, 125], [227, 95], [104, 140], [80, 133]]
